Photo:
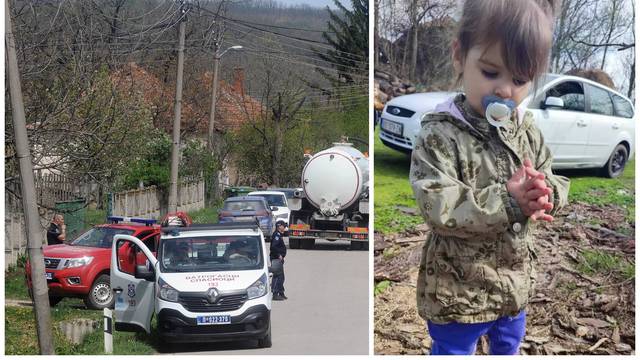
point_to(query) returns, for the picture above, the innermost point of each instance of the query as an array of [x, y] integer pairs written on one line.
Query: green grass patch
[[95, 217], [381, 287], [602, 191], [205, 216], [599, 262], [21, 336], [392, 189], [15, 286]]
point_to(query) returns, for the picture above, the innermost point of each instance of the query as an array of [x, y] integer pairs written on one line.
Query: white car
[[277, 201], [206, 283], [585, 124]]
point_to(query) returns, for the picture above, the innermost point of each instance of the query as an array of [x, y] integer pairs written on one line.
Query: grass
[[392, 189], [205, 216], [381, 287], [588, 188], [20, 329], [21, 337], [599, 262], [15, 286]]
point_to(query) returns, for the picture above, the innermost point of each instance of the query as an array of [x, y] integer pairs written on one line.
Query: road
[[327, 311]]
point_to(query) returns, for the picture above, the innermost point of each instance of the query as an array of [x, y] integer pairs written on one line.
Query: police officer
[[278, 252]]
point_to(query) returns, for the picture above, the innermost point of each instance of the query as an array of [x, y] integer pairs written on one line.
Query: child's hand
[[528, 188]]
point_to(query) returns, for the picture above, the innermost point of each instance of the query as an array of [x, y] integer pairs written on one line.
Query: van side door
[[133, 284]]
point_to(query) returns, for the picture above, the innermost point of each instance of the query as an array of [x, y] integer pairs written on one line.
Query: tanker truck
[[333, 202]]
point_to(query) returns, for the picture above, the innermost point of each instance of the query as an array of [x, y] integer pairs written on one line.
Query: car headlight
[[258, 288], [283, 216], [78, 262], [166, 292]]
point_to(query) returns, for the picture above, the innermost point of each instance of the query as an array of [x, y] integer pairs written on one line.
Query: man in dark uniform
[[56, 232], [278, 252]]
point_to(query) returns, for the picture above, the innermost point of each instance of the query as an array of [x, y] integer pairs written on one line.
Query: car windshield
[[211, 253], [273, 199], [101, 237], [243, 205]]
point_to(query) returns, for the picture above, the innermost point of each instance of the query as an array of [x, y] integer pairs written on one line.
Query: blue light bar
[[119, 219]]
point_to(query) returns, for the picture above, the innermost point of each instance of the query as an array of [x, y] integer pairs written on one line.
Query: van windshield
[[211, 253]]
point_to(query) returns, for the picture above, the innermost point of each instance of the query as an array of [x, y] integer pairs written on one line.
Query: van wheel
[[294, 243], [100, 296], [307, 244], [54, 300], [616, 163], [265, 342]]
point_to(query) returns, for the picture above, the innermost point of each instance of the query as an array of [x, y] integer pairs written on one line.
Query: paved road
[[327, 311]]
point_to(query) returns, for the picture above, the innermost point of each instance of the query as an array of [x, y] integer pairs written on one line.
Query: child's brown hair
[[524, 28]]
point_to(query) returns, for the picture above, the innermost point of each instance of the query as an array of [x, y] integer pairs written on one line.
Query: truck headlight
[[77, 262], [166, 292], [258, 288]]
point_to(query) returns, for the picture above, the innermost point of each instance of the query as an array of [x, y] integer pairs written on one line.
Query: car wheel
[[54, 300], [616, 163], [294, 243], [265, 342], [100, 296]]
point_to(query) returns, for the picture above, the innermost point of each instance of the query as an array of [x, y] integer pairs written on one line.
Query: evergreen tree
[[348, 34]]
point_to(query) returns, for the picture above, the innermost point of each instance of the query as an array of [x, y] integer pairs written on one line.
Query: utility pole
[[32, 219], [214, 85], [175, 150]]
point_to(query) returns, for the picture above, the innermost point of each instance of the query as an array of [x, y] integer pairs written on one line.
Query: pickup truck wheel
[[100, 295], [265, 342], [294, 243], [615, 165], [54, 300]]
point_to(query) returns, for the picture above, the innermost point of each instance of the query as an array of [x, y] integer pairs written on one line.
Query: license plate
[[48, 276], [391, 126], [213, 320]]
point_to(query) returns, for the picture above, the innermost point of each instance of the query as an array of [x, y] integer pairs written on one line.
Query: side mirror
[[552, 102], [274, 208], [142, 272]]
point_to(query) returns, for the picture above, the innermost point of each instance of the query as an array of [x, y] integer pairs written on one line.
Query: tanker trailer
[[333, 203]]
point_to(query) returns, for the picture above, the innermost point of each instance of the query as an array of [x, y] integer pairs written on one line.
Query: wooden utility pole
[[175, 150], [32, 219], [214, 92]]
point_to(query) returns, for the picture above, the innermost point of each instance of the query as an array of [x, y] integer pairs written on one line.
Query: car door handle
[[582, 123], [615, 126]]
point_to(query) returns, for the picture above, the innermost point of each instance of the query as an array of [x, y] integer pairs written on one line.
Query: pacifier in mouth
[[497, 110]]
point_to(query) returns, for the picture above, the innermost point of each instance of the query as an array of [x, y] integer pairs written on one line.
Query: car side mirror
[[142, 272], [274, 208], [552, 102]]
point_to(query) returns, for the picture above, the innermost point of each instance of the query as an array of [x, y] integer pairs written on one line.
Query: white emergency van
[[203, 283]]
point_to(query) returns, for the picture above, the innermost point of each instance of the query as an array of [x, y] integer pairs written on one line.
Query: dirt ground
[[571, 313]]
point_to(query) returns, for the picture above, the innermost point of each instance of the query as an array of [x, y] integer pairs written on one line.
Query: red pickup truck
[[82, 267]]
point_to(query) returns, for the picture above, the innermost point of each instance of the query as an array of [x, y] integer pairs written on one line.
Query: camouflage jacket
[[477, 263]]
